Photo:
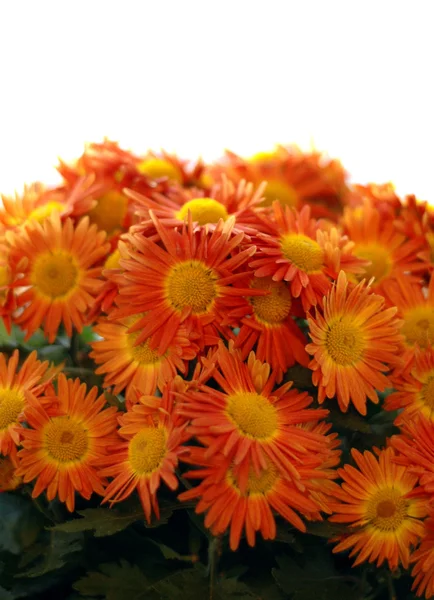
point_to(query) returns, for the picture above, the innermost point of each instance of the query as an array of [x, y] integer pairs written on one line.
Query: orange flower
[[376, 239], [170, 167], [112, 169], [137, 367], [187, 278], [149, 454], [374, 500], [223, 200], [414, 387], [423, 559], [268, 326], [415, 305], [8, 478], [293, 177], [354, 340], [415, 451], [250, 422], [59, 280], [17, 386], [64, 442], [250, 508], [300, 253]]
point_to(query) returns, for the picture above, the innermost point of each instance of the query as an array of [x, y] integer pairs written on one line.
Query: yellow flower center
[[112, 261], [11, 406], [277, 190], [305, 253], [418, 327], [142, 353], [387, 509], [54, 274], [274, 308], [42, 212], [65, 440], [263, 157], [191, 284], [381, 261], [253, 414], [147, 450], [203, 211], [109, 212], [426, 394], [258, 484], [344, 342], [8, 480], [157, 167]]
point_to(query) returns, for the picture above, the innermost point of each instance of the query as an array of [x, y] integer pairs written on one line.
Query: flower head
[[64, 441], [423, 560], [60, 276], [355, 339], [374, 500]]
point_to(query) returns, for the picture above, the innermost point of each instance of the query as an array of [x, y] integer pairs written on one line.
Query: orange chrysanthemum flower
[[169, 166], [64, 442], [415, 448], [376, 239], [59, 279], [9, 281], [374, 500], [267, 326], [112, 169], [17, 386], [250, 508], [300, 253], [355, 339], [149, 454], [293, 177], [249, 421], [423, 559], [223, 200], [415, 305], [137, 367], [187, 278], [9, 481], [414, 387]]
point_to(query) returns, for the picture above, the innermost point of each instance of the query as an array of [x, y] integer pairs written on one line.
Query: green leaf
[[326, 529], [5, 595], [349, 420], [169, 553], [62, 549], [114, 582], [103, 521], [317, 579], [20, 524]]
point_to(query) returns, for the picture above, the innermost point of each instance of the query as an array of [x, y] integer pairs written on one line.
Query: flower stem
[[214, 550]]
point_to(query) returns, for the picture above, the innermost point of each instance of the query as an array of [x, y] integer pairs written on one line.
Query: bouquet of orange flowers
[[216, 381]]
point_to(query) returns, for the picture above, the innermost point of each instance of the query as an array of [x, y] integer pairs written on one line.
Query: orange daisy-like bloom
[[112, 169], [223, 200], [423, 559], [415, 305], [37, 203], [59, 280], [9, 281], [293, 178], [169, 166], [268, 327], [138, 367], [355, 339], [374, 500], [8, 478], [149, 454], [187, 278], [376, 239], [16, 387], [65, 440], [415, 448], [382, 196], [300, 253], [250, 508], [414, 387], [250, 422]]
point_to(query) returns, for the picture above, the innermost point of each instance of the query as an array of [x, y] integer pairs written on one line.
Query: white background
[[356, 78]]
